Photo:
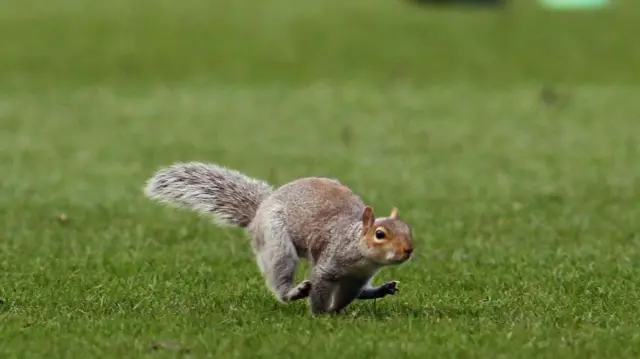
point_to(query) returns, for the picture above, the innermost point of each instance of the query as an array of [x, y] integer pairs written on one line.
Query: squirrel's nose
[[409, 250]]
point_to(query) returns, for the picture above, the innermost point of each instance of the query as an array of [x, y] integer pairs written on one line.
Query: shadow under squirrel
[[319, 219]]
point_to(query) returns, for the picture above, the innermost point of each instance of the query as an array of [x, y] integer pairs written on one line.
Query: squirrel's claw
[[392, 287]]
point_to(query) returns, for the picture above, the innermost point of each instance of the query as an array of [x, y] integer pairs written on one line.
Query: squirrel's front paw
[[391, 288]]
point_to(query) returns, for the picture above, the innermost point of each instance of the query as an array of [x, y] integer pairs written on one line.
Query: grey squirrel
[[316, 218]]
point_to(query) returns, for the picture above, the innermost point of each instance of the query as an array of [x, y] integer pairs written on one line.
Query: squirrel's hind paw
[[300, 291]]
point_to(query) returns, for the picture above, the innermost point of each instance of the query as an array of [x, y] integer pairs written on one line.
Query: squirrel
[[316, 218]]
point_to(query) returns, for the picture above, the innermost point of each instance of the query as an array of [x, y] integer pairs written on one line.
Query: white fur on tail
[[229, 196]]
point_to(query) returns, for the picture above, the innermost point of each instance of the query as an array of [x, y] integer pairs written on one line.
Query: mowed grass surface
[[524, 204]]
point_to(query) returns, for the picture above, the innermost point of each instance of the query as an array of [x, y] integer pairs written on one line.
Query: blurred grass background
[[79, 42]]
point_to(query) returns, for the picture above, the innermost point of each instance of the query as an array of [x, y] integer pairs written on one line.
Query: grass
[[524, 204]]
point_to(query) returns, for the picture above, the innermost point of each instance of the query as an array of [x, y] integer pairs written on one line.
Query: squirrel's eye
[[380, 234]]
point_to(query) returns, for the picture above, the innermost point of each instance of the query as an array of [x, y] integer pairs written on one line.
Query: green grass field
[[524, 204]]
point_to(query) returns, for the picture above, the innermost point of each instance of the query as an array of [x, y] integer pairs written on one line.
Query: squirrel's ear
[[368, 218], [394, 213]]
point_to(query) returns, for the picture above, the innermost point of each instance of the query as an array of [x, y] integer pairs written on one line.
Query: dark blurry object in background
[[479, 3], [548, 95]]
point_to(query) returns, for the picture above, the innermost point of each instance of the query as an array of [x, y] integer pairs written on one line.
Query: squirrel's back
[[315, 207], [319, 199]]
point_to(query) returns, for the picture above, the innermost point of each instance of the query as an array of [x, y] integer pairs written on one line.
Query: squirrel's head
[[386, 240]]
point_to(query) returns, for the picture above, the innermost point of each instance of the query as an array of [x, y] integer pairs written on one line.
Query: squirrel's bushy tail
[[229, 196]]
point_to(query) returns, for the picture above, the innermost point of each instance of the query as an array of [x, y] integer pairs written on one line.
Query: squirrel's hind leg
[[277, 258]]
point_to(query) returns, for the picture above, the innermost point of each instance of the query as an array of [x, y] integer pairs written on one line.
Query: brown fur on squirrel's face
[[388, 240]]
